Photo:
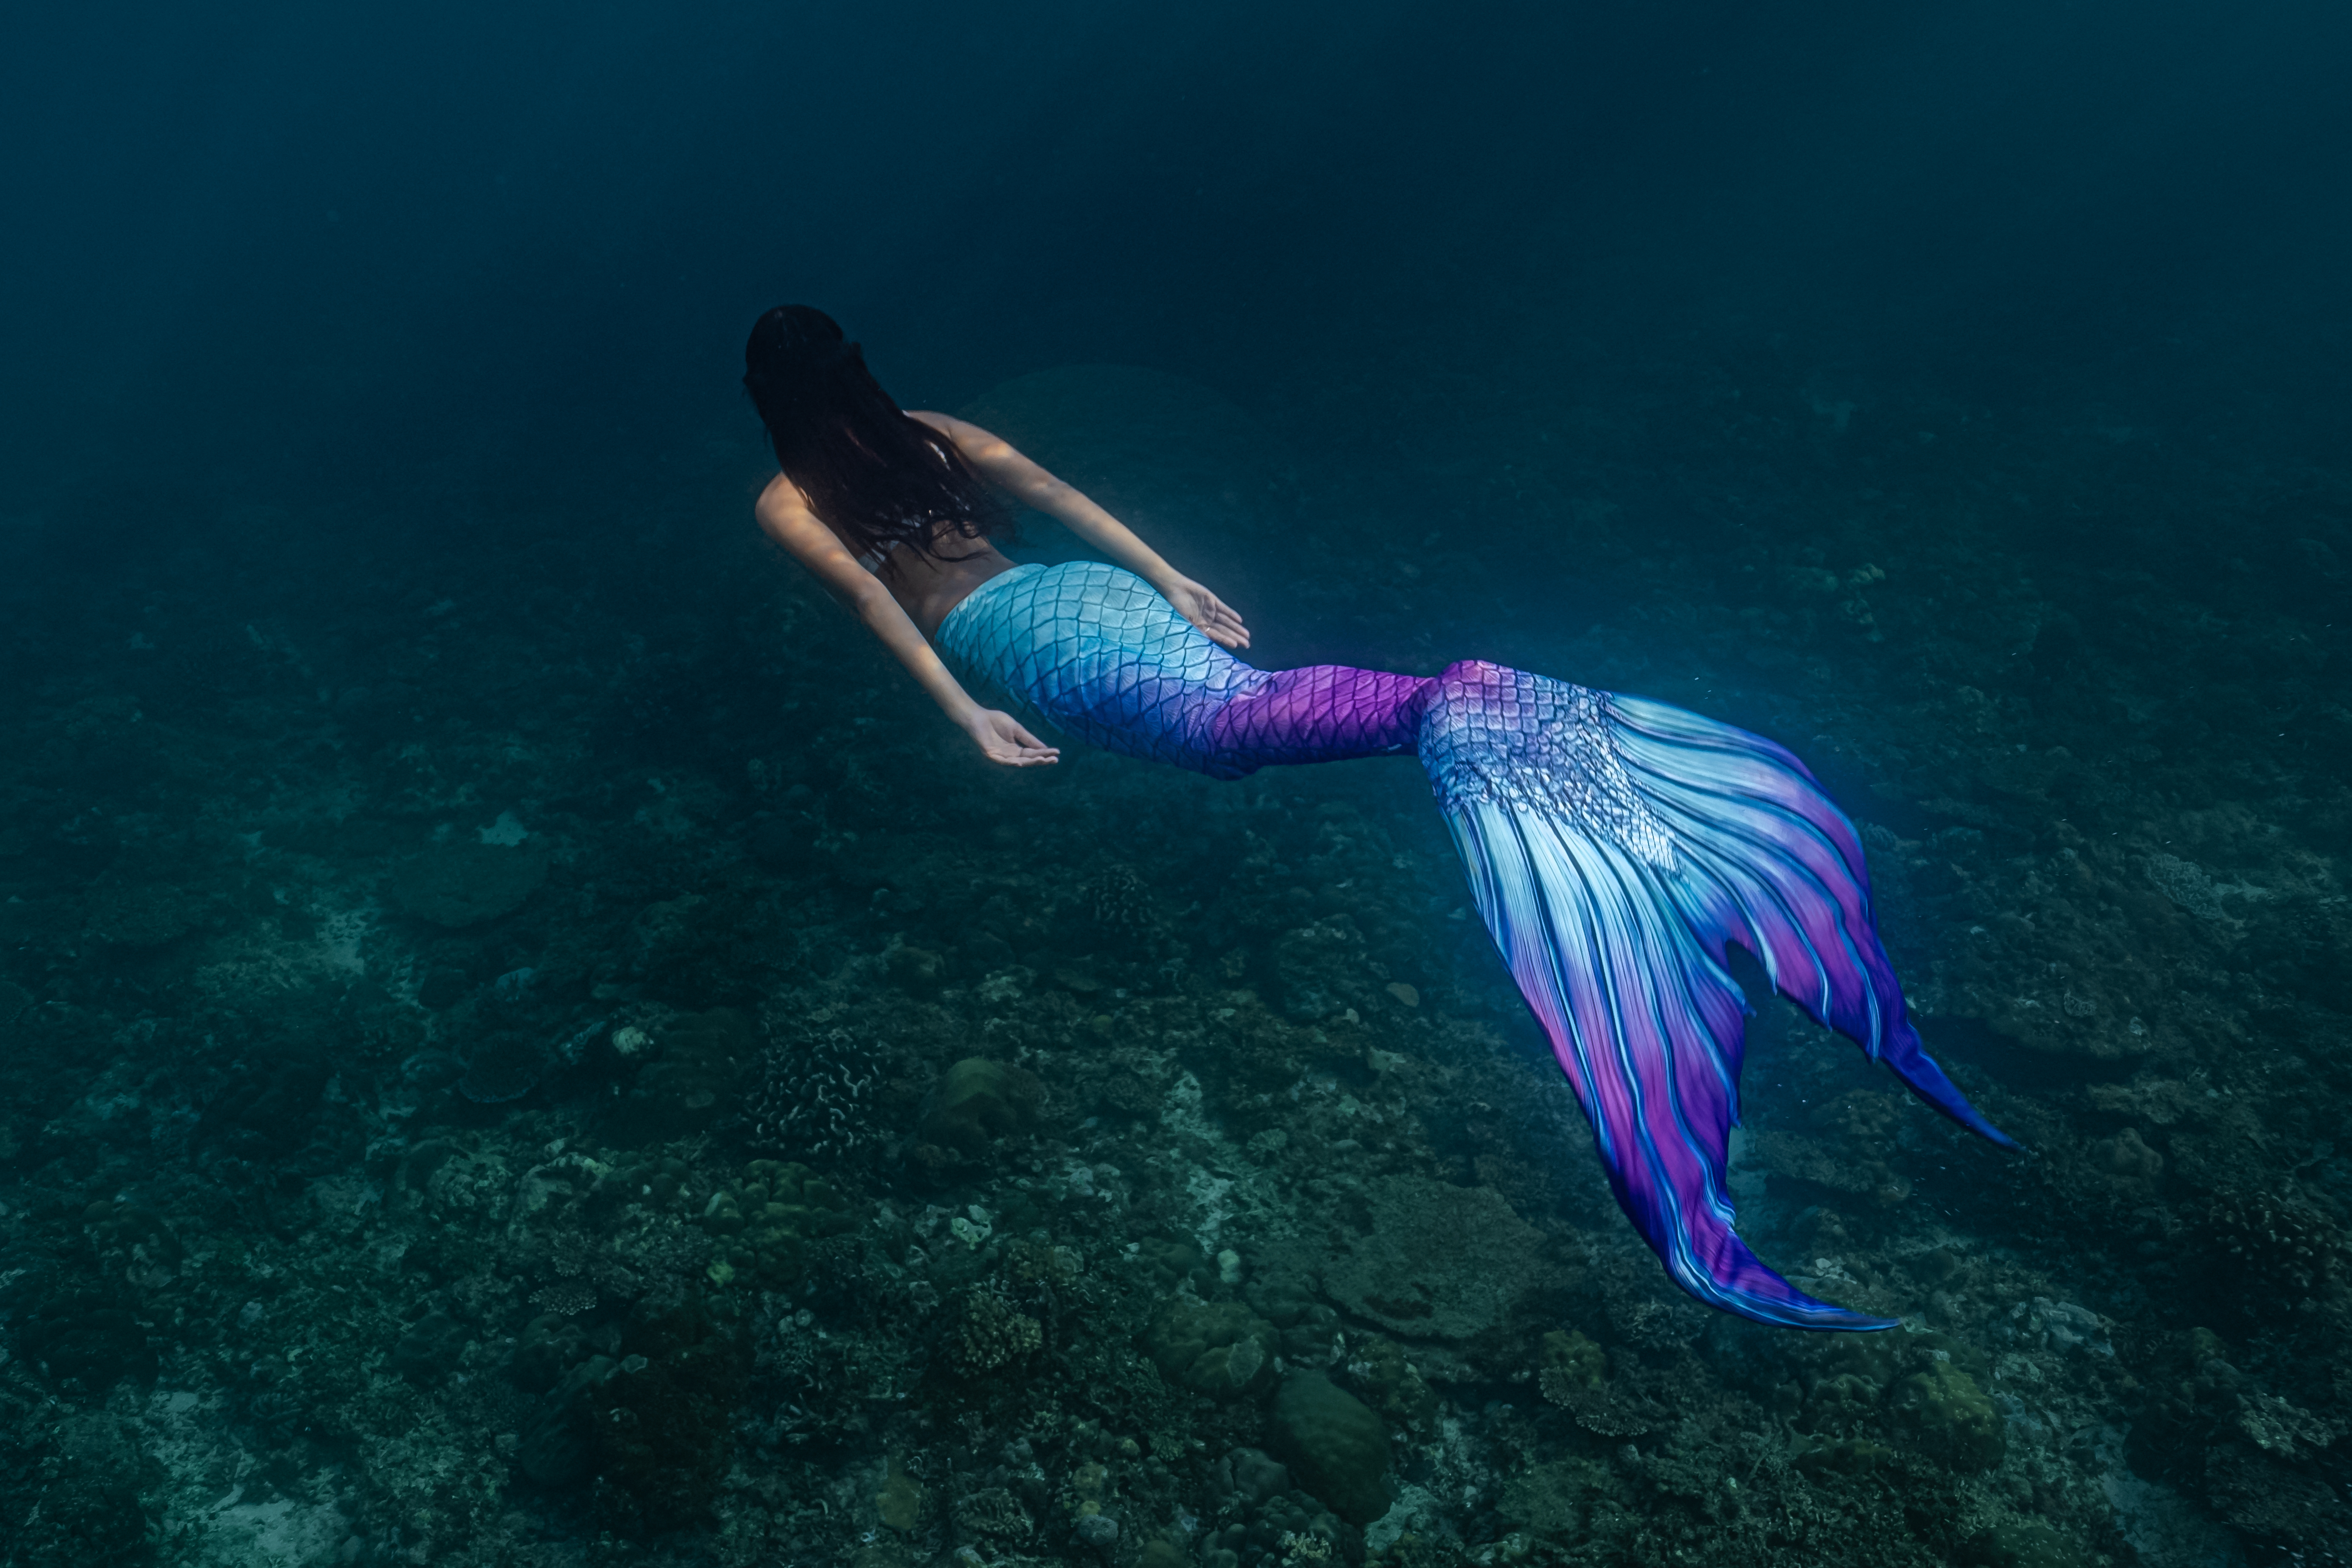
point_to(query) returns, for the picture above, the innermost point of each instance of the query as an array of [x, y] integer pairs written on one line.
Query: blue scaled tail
[[1616, 847]]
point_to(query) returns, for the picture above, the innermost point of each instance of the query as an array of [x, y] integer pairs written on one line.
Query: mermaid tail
[[1104, 658], [1616, 848]]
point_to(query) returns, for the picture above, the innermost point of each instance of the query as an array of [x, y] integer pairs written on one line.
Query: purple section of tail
[[1319, 714], [1780, 870]]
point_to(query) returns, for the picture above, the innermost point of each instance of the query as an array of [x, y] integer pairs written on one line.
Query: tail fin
[[1615, 846]]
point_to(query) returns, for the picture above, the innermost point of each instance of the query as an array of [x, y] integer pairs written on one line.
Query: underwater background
[[524, 1040]]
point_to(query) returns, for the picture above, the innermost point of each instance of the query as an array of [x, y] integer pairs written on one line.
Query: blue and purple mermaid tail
[[1615, 846]]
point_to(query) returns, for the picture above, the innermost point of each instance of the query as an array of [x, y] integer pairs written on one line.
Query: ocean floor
[[548, 1052]]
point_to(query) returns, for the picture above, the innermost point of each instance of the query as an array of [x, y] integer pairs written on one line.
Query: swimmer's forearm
[[888, 622]]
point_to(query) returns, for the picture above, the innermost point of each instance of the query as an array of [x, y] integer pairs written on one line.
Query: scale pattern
[[1101, 655], [1616, 848]]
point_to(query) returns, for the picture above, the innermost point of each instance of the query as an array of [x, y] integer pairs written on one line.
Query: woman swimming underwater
[[1615, 846]]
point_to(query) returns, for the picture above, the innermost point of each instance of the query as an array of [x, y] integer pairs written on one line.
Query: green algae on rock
[[1439, 1262], [1220, 1349], [1574, 1375], [977, 1101], [1557, 1498], [1339, 1448], [1942, 1413], [898, 1502], [766, 1222]]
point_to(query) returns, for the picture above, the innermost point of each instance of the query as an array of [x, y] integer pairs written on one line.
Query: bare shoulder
[[969, 438], [778, 497], [783, 515]]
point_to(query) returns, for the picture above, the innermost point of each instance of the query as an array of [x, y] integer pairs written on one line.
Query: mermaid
[[1615, 846]]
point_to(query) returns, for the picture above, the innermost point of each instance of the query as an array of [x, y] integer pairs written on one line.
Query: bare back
[[927, 587], [903, 595]]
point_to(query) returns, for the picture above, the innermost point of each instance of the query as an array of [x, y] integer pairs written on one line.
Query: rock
[[124, 913], [442, 987], [133, 1243], [1335, 1444], [1222, 1350], [978, 1101], [1553, 1498], [1839, 1169], [1255, 1475], [1844, 1456], [504, 1065], [1393, 1386], [1572, 1362], [900, 1503], [915, 969], [1441, 1262], [463, 884], [664, 1421], [2022, 1543], [689, 1071], [85, 1506], [1325, 970], [1575, 1376], [1943, 1415], [82, 1342], [429, 1351], [2130, 1159], [784, 845], [557, 1447], [765, 1223], [1099, 1531], [551, 1345]]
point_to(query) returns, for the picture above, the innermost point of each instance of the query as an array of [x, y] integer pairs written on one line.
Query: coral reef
[[768, 1219], [814, 1098], [815, 1148]]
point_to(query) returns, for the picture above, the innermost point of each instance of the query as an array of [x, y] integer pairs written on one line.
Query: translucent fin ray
[[1615, 849]]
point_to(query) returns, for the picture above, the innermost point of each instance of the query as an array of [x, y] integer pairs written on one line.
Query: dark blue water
[[523, 1039]]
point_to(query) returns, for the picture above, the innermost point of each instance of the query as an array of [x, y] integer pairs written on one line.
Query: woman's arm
[[996, 461], [788, 521]]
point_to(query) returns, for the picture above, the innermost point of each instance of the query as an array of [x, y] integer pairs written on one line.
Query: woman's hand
[[1002, 738], [1217, 620]]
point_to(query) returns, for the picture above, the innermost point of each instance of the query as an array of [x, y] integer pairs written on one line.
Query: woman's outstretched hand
[[1217, 620], [1002, 738]]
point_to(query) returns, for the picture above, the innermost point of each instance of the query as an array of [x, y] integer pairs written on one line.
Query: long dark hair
[[872, 473]]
